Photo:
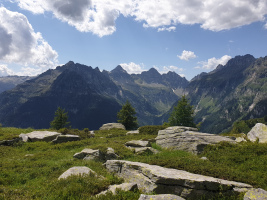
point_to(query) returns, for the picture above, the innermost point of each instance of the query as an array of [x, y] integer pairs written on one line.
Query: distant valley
[[91, 97]]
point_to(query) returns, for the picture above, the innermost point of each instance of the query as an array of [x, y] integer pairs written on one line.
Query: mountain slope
[[9, 82], [232, 92]]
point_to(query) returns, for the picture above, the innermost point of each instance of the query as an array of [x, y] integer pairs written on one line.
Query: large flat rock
[[111, 126], [152, 178], [187, 139], [258, 132], [34, 136]]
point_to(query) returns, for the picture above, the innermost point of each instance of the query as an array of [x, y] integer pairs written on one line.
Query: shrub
[[152, 129]]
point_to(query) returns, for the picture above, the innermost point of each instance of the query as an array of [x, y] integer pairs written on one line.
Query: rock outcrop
[[256, 194], [152, 178], [111, 126], [258, 132], [187, 139], [66, 138], [96, 154], [160, 197], [76, 171], [35, 136]]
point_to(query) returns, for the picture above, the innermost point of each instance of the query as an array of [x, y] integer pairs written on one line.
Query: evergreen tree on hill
[[126, 116], [182, 114], [60, 119]]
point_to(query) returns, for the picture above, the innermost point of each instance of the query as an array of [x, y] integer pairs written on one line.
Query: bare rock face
[[152, 178], [35, 136], [258, 132], [76, 171], [160, 197], [123, 187], [111, 126], [256, 194], [187, 139], [66, 138]]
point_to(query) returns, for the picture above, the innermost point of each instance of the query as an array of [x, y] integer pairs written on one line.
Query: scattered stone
[[110, 154], [204, 158], [160, 197], [112, 125], [240, 139], [136, 132], [258, 132], [35, 136], [187, 139], [152, 178], [138, 143], [10, 142], [123, 187], [145, 150], [29, 155], [76, 171], [89, 154], [256, 194], [66, 138]]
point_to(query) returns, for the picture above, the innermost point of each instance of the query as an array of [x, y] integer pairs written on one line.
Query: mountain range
[[231, 92]]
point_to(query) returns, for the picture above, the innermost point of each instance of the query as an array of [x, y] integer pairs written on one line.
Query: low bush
[[152, 130]]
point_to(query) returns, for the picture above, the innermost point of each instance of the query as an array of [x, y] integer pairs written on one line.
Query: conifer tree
[[182, 114], [126, 116], [60, 119]]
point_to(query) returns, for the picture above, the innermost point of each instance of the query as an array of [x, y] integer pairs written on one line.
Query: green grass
[[31, 170], [11, 133]]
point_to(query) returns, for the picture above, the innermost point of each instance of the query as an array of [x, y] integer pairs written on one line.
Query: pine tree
[[60, 119], [182, 114], [126, 116]]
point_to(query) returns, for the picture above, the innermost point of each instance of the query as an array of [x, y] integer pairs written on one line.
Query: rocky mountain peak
[[119, 69]]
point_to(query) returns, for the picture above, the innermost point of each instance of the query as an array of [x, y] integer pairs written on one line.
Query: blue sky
[[186, 36]]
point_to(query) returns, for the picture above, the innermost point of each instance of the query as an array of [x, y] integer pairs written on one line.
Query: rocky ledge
[[160, 180]]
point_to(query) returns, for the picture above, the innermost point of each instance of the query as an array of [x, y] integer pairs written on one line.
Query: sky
[[185, 36]]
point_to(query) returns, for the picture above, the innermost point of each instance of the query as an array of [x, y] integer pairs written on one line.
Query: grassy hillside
[[31, 170]]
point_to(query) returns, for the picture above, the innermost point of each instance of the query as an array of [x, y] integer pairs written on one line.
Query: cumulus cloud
[[212, 63], [21, 45], [187, 55], [99, 16], [5, 71], [133, 68], [172, 28]]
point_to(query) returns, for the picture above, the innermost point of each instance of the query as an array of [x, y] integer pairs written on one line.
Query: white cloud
[[133, 68], [21, 45], [99, 16], [212, 63], [172, 28], [5, 71], [265, 26], [166, 69], [187, 55]]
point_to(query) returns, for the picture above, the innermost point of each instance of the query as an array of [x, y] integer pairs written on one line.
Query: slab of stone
[[89, 154], [152, 178], [258, 132], [136, 132], [183, 138], [138, 143], [160, 197], [111, 126], [144, 150], [76, 171], [256, 194], [66, 138], [10, 142], [110, 154], [123, 187], [35, 136]]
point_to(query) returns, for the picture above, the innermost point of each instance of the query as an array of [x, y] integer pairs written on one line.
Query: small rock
[[240, 139], [89, 154], [160, 197], [136, 132], [66, 138], [112, 125], [77, 171], [123, 187], [258, 132], [143, 150], [204, 158], [256, 194], [138, 143], [110, 154]]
